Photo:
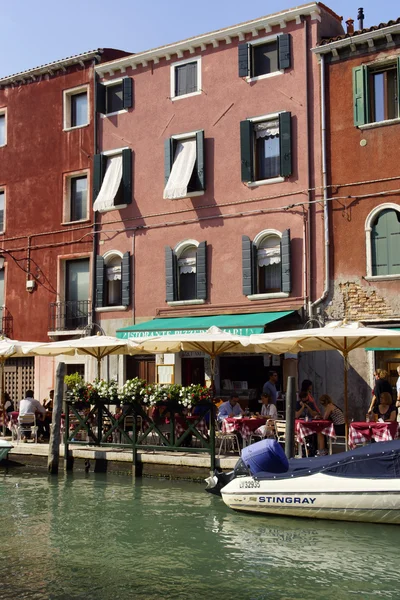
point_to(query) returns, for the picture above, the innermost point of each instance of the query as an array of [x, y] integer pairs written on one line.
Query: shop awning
[[236, 324], [382, 349]]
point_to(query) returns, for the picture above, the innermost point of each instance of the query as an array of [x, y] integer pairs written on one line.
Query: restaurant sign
[[161, 332]]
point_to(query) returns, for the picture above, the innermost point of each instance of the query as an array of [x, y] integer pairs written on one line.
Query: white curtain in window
[[114, 273], [182, 169], [269, 251], [111, 183], [267, 129], [187, 261]]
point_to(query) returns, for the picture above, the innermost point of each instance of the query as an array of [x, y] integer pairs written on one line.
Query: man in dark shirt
[[381, 385]]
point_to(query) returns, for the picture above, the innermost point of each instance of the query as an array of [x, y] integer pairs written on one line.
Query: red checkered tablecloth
[[181, 425], [306, 428], [361, 432], [245, 426]]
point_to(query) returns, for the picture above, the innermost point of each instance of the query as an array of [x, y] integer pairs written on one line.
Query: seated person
[[332, 413], [8, 404], [385, 410], [31, 406], [382, 385], [305, 407], [268, 409], [202, 410], [48, 404], [231, 408]]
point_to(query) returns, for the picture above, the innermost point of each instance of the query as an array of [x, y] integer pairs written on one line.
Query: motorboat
[[5, 447], [360, 485]]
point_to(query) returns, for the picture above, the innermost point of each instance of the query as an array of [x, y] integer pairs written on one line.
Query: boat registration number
[[249, 484]]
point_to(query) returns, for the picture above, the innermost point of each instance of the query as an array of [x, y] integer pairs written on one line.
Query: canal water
[[107, 537]]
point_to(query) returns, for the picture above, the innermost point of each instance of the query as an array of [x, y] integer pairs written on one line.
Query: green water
[[105, 537]]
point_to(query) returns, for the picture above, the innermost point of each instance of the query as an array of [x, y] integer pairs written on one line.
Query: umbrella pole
[[98, 367], [2, 386], [346, 411]]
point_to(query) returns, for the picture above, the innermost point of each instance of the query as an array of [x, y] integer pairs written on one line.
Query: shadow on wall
[[326, 371]]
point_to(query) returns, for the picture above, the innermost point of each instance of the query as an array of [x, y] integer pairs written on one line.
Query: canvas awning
[[182, 169], [236, 324], [110, 185], [382, 349]]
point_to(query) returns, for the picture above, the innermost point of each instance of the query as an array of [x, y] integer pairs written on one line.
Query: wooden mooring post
[[55, 428]]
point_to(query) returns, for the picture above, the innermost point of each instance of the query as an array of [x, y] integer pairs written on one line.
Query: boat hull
[[318, 496], [5, 448]]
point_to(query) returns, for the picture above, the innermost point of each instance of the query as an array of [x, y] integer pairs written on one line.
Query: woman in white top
[[268, 409]]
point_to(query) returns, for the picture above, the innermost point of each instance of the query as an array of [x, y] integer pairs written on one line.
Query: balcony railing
[[6, 322], [70, 315]]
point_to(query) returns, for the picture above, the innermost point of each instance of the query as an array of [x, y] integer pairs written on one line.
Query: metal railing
[[6, 322], [69, 315]]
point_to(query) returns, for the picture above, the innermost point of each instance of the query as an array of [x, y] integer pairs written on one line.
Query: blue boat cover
[[379, 460], [266, 455]]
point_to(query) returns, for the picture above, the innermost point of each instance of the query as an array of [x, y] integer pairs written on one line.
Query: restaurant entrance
[[193, 371], [140, 366]]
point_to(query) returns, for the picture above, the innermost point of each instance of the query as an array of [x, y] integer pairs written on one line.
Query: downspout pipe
[[325, 293], [95, 149]]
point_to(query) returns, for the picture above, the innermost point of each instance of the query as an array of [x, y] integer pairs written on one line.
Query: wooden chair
[[226, 440], [280, 430]]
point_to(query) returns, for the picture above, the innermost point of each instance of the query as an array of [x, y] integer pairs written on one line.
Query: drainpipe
[[325, 293], [307, 221], [95, 148]]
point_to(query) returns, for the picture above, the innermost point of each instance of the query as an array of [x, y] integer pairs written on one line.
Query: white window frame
[[265, 40], [257, 241], [3, 112], [188, 136], [106, 84], [172, 77], [66, 220], [368, 246], [3, 190], [67, 94], [258, 182], [108, 256]]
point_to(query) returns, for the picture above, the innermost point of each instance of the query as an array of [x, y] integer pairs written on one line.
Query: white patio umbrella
[[213, 342], [339, 335], [97, 346]]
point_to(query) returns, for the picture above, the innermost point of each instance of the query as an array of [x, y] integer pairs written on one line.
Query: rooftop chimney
[[360, 18], [350, 26]]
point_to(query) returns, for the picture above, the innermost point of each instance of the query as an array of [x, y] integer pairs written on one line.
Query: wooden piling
[[55, 428]]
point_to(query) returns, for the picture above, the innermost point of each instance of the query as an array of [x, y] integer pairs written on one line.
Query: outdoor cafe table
[[361, 432], [305, 428], [181, 426], [243, 425]]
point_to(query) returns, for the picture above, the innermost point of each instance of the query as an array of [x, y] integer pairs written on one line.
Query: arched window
[[383, 241], [269, 264], [113, 280], [187, 273]]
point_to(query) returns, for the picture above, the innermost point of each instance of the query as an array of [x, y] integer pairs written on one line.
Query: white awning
[[267, 129], [268, 256], [182, 169], [113, 273], [111, 183]]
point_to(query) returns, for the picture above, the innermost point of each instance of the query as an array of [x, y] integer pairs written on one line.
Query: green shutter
[[246, 150], [170, 275], [201, 271], [168, 158], [243, 60], [127, 175], [284, 51], [100, 98], [398, 87], [360, 95], [286, 274], [200, 162], [126, 279], [285, 143], [247, 265], [127, 92], [99, 166], [99, 281], [385, 244]]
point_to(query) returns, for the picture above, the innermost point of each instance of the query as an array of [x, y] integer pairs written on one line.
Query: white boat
[[360, 485], [5, 448]]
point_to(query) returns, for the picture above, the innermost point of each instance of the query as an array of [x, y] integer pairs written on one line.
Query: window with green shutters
[[266, 148], [186, 272], [113, 277], [265, 56], [385, 243], [376, 92], [181, 151], [123, 191], [185, 78], [114, 96], [266, 264]]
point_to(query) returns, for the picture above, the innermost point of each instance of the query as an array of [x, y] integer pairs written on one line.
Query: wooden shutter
[[247, 265], [191, 78], [398, 86], [284, 51], [99, 281], [286, 275], [385, 244], [180, 80], [127, 92], [243, 59], [101, 98], [360, 95], [168, 158], [201, 271], [99, 167], [246, 150], [170, 275], [285, 143], [127, 175], [200, 161], [126, 279]]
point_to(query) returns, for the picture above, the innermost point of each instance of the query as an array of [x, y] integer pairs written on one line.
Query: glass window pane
[[114, 98], [391, 93], [1, 211], [187, 286], [379, 97], [268, 157], [265, 59], [79, 114], [2, 130], [78, 198]]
